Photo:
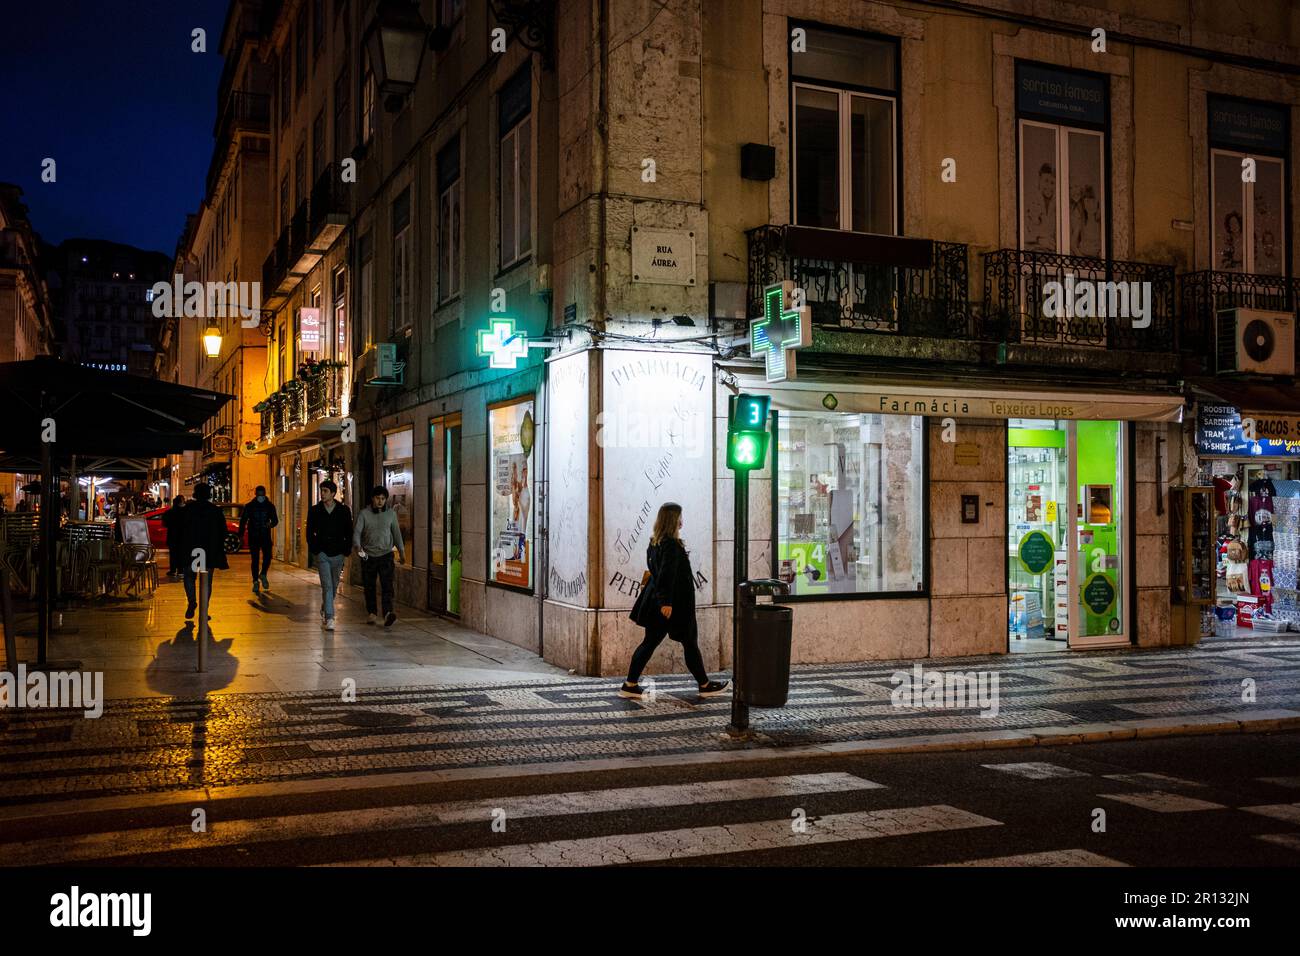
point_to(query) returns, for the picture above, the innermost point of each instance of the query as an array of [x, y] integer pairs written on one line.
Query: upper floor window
[[367, 99], [318, 144], [516, 181], [1062, 122], [365, 292], [342, 121], [284, 86], [1248, 218], [300, 51], [300, 173], [845, 105], [449, 220], [449, 11], [403, 239], [317, 24]]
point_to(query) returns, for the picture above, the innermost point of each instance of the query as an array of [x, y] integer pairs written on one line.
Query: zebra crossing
[[718, 821]]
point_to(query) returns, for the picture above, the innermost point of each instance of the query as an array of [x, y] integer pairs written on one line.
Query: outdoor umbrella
[[55, 409]]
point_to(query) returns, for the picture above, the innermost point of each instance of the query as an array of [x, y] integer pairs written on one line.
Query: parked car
[[234, 541]]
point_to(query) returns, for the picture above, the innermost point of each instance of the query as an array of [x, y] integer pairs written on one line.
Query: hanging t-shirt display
[[1261, 519], [1282, 587]]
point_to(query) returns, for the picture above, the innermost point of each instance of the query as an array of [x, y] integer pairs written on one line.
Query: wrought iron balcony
[[328, 210], [325, 394], [1202, 294], [269, 416], [1047, 299], [293, 407], [859, 282]]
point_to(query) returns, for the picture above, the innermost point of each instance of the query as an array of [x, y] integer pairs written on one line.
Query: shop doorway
[[1067, 534], [444, 515]]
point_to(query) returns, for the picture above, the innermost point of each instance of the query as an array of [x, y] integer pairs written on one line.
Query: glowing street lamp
[[212, 341], [395, 40]]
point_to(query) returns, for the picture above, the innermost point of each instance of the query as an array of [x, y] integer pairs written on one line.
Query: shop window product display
[[850, 516], [1258, 541], [1038, 477]]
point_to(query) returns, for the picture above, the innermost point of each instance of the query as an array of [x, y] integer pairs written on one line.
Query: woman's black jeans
[[690, 648]]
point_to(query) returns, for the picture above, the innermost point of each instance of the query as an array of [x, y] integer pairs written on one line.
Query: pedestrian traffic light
[[747, 435]]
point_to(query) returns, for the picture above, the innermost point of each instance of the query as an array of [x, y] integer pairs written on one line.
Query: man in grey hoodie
[[375, 536]]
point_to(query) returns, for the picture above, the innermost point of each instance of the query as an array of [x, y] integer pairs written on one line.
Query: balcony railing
[[303, 402], [325, 394], [1202, 294], [250, 111], [1046, 298], [866, 283], [328, 211]]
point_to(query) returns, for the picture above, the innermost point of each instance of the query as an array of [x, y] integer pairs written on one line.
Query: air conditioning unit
[[379, 364], [1253, 340]]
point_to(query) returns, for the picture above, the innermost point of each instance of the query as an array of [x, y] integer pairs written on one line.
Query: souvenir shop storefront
[[1256, 482]]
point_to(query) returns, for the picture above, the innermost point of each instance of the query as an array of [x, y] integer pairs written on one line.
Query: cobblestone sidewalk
[[160, 744]]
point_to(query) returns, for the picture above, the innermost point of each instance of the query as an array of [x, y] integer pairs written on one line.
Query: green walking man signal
[[747, 435]]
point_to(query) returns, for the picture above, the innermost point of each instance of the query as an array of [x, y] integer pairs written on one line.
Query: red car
[[234, 541]]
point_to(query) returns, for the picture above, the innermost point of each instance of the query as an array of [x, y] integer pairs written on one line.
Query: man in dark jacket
[[202, 528], [259, 518], [171, 521], [329, 538]]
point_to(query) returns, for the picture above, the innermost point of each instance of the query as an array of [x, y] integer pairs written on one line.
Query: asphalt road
[[1231, 800]]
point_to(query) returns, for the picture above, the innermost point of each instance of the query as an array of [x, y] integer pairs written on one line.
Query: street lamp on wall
[[212, 341], [395, 41]]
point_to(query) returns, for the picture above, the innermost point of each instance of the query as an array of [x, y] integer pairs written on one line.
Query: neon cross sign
[[503, 346], [780, 331]]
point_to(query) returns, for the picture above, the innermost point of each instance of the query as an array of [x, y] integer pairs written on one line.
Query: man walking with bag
[[375, 536], [329, 533]]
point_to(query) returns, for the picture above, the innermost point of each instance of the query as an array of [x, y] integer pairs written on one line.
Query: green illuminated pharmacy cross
[[780, 331], [502, 345]]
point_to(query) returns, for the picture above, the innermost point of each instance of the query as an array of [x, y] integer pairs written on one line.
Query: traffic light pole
[[740, 572]]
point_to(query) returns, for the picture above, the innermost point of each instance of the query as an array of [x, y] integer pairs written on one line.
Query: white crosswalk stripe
[[1074, 857], [1290, 812], [1162, 802], [1292, 782], [1036, 770], [343, 822], [665, 845], [1289, 840], [1155, 780]]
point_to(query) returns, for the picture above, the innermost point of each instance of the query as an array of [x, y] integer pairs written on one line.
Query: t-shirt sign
[[1061, 94], [1239, 124], [1218, 432]]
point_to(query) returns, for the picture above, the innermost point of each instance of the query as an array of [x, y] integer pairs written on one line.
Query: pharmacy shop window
[[850, 504]]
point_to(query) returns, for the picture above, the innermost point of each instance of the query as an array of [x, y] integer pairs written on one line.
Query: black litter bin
[[763, 652]]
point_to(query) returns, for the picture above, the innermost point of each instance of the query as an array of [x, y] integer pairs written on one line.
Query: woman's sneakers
[[632, 691], [713, 688]]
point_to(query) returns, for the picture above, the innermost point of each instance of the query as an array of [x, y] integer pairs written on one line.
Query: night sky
[[113, 93]]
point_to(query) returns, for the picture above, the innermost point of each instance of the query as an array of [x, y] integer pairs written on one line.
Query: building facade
[[1006, 235], [224, 251], [26, 316]]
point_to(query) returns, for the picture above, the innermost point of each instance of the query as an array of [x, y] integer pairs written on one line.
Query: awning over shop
[[955, 398]]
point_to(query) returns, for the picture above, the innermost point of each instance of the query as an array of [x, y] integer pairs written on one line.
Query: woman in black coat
[[666, 607]]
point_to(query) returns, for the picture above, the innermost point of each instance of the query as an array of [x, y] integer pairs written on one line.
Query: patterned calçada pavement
[[161, 744]]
